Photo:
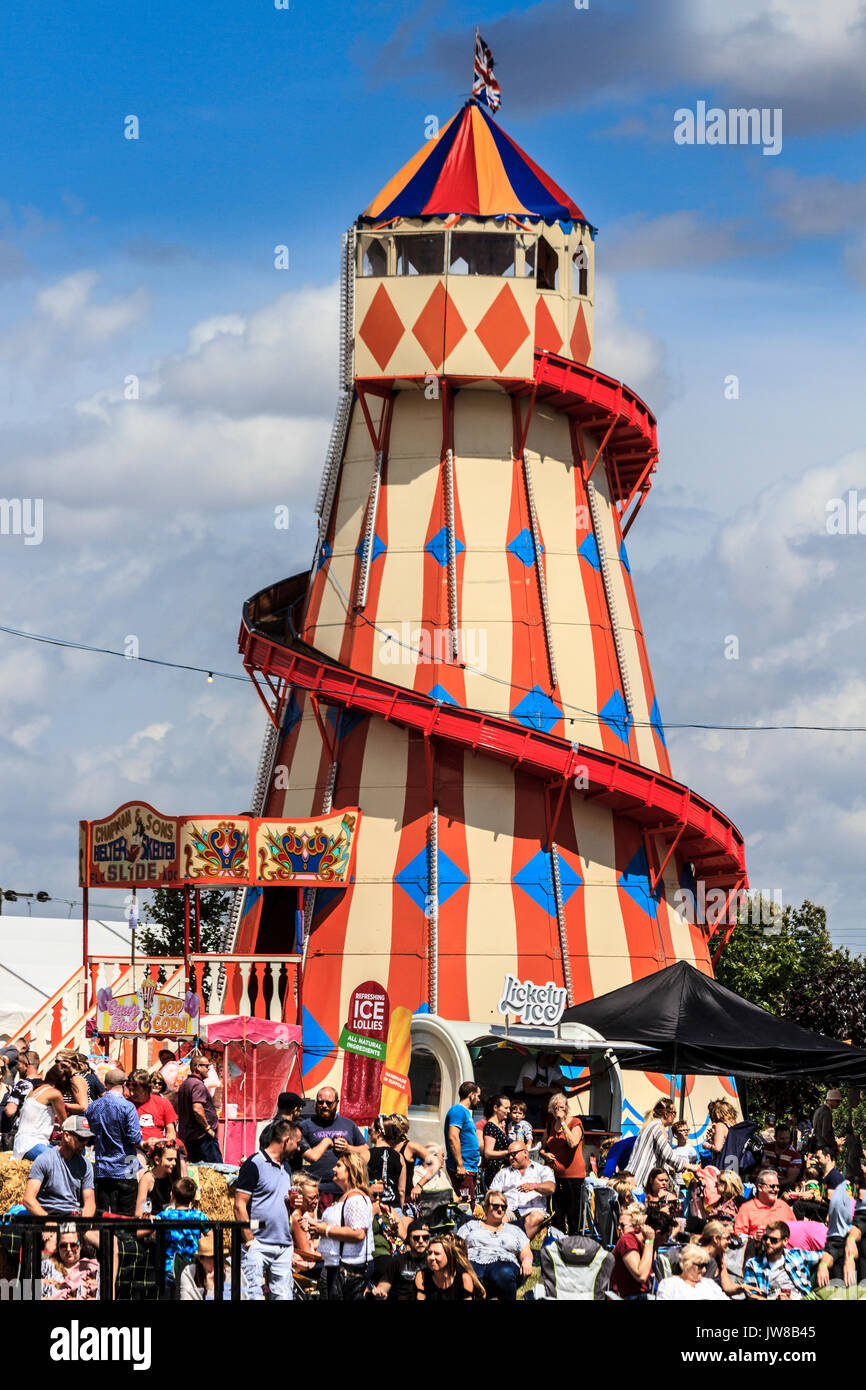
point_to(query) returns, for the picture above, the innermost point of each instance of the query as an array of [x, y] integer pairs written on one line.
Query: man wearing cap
[[61, 1178], [823, 1132], [117, 1136]]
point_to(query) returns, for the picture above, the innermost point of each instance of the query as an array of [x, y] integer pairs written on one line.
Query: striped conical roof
[[472, 168]]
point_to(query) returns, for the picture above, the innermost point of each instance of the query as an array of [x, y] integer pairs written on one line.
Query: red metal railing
[[709, 838]]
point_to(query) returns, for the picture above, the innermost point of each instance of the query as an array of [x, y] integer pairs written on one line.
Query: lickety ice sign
[[533, 1003]]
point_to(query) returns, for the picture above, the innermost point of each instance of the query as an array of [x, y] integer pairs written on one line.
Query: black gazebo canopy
[[700, 1027]]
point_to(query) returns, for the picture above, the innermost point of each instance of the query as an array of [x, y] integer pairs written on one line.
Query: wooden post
[[186, 933], [84, 909], [299, 969]]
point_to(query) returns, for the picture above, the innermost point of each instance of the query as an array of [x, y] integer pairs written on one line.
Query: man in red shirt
[[784, 1156], [755, 1216], [155, 1115]]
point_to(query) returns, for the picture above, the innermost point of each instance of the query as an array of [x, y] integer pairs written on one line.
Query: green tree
[[162, 932], [791, 967]]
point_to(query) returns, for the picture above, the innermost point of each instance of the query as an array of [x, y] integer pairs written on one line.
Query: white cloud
[[625, 350], [674, 239], [26, 735], [69, 305], [784, 531]]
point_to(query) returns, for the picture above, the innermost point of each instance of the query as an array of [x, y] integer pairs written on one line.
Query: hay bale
[[215, 1192], [14, 1173]]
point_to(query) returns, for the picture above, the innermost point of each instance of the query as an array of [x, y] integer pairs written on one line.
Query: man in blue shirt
[[117, 1136], [60, 1181], [330, 1136], [263, 1187], [462, 1154]]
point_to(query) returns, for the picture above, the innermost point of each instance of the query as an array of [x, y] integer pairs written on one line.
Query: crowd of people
[[745, 1216], [327, 1210]]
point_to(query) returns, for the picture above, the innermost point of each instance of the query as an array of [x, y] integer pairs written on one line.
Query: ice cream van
[[446, 1053]]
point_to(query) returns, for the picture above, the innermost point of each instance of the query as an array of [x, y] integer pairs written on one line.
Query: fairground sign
[[139, 846], [534, 1004]]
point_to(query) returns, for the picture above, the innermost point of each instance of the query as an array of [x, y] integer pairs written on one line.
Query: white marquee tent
[[38, 954]]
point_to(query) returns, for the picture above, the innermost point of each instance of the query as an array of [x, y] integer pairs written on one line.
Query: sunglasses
[[497, 1206], [68, 1245]]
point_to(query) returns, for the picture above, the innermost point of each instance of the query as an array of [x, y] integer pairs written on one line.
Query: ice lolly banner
[[396, 1094], [369, 1011]]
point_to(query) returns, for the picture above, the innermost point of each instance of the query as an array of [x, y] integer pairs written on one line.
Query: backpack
[[605, 1215], [576, 1268], [743, 1148]]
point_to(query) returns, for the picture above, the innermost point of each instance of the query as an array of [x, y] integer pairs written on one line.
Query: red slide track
[[706, 836]]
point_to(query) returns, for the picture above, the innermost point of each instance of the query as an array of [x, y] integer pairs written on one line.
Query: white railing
[[123, 976], [44, 1029], [255, 986]]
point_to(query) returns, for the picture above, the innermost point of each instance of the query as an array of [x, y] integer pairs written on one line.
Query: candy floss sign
[[533, 1003], [147, 1013]]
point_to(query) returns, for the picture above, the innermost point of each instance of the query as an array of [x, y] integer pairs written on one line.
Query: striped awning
[[472, 168]]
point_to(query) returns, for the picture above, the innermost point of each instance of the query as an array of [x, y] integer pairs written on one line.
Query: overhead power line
[[576, 715]]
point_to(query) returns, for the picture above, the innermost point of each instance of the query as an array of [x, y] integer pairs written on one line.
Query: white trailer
[[446, 1053]]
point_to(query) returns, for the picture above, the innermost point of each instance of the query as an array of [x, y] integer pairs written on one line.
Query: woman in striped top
[[653, 1148]]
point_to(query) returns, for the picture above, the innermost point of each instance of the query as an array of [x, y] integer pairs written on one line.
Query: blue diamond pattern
[[414, 879], [537, 711], [656, 721], [523, 547], [291, 716], [535, 878], [437, 546], [589, 550], [636, 882], [316, 1044], [437, 692], [376, 549], [325, 554], [324, 898], [349, 719], [687, 881], [623, 555], [250, 900], [616, 716]]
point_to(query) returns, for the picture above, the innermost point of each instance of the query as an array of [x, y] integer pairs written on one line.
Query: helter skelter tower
[[465, 660]]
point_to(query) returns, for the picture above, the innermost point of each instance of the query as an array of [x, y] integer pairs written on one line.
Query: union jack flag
[[484, 85]]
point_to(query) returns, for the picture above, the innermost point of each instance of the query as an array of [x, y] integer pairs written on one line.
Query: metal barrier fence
[[131, 1254]]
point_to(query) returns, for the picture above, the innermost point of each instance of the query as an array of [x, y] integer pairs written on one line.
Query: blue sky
[[261, 126]]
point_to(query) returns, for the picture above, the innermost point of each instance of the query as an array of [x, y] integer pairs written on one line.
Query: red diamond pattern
[[439, 327], [503, 328], [547, 335], [382, 328], [579, 342]]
